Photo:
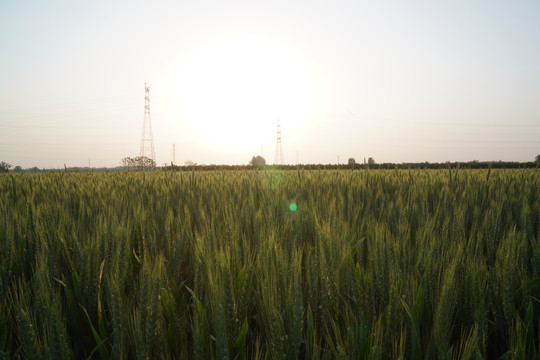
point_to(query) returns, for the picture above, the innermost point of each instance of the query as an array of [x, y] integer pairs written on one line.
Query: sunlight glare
[[235, 90]]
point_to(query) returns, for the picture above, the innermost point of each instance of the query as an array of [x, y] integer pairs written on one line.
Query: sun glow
[[233, 91]]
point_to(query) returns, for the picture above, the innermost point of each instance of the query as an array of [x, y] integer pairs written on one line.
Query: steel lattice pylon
[[279, 150], [147, 139]]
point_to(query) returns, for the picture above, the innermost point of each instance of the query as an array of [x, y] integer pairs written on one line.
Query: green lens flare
[[293, 207]]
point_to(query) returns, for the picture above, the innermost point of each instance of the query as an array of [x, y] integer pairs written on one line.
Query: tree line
[[258, 162]]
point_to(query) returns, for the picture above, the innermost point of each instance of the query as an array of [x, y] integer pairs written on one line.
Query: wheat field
[[306, 264]]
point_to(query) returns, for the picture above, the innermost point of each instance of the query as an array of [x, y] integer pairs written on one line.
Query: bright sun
[[235, 90]]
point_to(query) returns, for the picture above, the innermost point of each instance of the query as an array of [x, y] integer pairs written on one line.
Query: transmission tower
[[147, 140], [279, 150], [174, 154]]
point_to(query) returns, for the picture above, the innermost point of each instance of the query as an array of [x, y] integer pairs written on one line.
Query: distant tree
[[128, 162], [138, 163], [189, 163], [351, 162], [537, 159], [4, 167], [257, 162], [371, 161], [17, 168]]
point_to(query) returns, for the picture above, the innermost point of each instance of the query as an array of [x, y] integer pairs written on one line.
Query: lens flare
[[293, 206]]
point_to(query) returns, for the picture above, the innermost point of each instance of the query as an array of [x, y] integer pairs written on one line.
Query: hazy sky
[[399, 81]]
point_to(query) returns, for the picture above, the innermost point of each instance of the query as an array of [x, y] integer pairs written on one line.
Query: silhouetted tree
[[138, 163], [4, 167], [371, 161], [258, 162], [351, 162], [537, 159]]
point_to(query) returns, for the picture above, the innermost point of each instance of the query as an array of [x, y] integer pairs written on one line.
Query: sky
[[396, 81]]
